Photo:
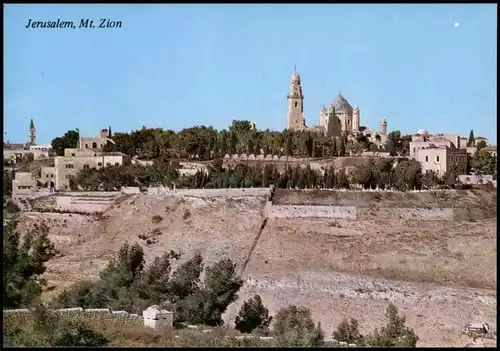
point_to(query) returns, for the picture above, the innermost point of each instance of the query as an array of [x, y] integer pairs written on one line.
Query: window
[[65, 187], [46, 176], [295, 103], [86, 146], [99, 164], [73, 155], [101, 146], [94, 145], [414, 150], [86, 167], [108, 164], [117, 164], [426, 158], [69, 165], [437, 158], [51, 176]]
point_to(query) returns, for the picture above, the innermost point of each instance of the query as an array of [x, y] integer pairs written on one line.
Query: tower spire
[[32, 125]]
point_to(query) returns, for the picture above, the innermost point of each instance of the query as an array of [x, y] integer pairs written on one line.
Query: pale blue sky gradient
[[175, 66]]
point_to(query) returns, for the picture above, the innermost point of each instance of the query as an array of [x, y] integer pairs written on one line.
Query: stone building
[[295, 116], [97, 143], [492, 150], [339, 118], [89, 154], [15, 152], [74, 160], [23, 184], [439, 153], [479, 139], [32, 133], [157, 318]]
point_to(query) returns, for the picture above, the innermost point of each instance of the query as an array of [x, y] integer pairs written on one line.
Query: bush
[[46, 328], [395, 333], [252, 316], [157, 219], [348, 332], [294, 326]]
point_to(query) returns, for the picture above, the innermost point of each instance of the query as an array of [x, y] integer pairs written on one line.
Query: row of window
[[51, 176], [460, 158], [24, 187], [86, 166], [94, 145]]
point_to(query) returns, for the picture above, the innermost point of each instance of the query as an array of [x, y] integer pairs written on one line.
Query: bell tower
[[295, 116], [32, 133]]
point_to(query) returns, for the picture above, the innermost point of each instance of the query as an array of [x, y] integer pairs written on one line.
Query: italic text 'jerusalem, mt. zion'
[[83, 23]]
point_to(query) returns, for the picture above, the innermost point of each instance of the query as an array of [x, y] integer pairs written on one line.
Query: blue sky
[[175, 66]]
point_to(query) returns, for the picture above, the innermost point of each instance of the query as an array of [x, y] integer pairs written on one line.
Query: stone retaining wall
[[276, 211], [355, 213], [93, 315], [231, 192]]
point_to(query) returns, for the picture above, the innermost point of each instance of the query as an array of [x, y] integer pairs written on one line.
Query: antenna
[[294, 68]]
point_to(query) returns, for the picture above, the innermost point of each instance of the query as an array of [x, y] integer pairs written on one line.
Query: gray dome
[[341, 104]]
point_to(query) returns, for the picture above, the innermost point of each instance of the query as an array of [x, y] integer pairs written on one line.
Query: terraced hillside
[[441, 274]]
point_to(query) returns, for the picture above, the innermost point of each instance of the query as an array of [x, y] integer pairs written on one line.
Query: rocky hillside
[[442, 274]]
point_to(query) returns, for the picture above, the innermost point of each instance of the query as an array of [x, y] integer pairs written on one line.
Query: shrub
[[348, 331], [395, 333], [157, 219], [45, 328], [253, 315], [294, 326]]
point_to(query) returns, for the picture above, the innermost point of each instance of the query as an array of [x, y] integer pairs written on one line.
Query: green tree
[[484, 163], [68, 141], [294, 326], [348, 331], [481, 145], [24, 262], [253, 315], [395, 333], [45, 328], [470, 142], [342, 147]]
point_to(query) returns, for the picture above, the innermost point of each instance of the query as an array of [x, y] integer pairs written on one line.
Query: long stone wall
[[93, 315], [231, 192], [355, 213], [284, 211]]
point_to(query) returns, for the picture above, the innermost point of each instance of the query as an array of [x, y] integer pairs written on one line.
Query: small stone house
[[478, 328], [156, 318]]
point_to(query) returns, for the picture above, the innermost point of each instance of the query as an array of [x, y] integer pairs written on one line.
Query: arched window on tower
[[94, 145]]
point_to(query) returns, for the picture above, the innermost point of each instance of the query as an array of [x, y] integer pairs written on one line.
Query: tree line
[[207, 143], [378, 172]]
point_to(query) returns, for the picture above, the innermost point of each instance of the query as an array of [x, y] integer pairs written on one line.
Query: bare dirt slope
[[216, 228], [442, 275]]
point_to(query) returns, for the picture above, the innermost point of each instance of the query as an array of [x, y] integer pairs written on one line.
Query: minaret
[[355, 119], [295, 117], [383, 127], [32, 133]]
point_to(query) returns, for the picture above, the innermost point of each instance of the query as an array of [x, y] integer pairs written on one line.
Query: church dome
[[341, 104], [295, 78], [422, 132]]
